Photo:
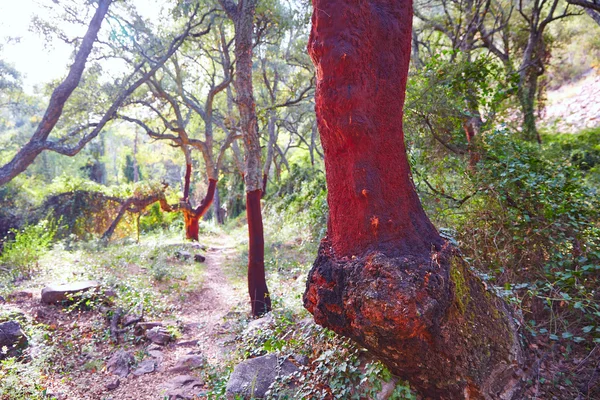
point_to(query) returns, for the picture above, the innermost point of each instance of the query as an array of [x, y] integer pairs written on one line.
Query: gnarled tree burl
[[384, 276]]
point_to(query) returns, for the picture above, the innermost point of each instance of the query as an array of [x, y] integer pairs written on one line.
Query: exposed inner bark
[[257, 286], [384, 276], [192, 216], [242, 15]]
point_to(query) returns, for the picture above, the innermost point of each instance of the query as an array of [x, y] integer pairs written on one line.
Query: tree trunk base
[[429, 319]]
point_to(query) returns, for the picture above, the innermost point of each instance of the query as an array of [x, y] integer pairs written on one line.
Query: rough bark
[[384, 277], [242, 15]]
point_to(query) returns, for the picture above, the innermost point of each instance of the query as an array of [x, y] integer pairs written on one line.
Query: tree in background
[[80, 135], [383, 275], [242, 15]]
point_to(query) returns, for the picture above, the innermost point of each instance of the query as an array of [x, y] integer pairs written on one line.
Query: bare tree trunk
[[136, 172], [383, 276], [242, 15]]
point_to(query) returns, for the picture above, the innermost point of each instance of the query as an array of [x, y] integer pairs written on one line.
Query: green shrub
[[20, 256]]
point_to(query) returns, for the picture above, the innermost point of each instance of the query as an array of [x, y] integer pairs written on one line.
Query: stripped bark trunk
[[242, 15], [192, 216], [383, 276]]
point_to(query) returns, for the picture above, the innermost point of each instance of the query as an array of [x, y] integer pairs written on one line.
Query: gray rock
[[199, 258], [197, 245], [12, 338], [20, 296], [153, 346], [112, 384], [183, 255], [54, 294], [260, 324], [2, 300], [188, 343], [185, 387], [188, 363], [157, 355], [119, 363], [252, 378], [145, 367], [159, 335]]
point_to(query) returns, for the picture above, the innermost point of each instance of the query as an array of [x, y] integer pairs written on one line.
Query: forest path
[[205, 310], [202, 315]]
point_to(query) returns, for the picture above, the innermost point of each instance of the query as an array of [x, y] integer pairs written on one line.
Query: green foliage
[[450, 89], [20, 256], [301, 199]]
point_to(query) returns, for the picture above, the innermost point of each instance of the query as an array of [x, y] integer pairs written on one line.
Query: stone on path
[[183, 255], [252, 378], [12, 339], [145, 367], [259, 324], [119, 363], [184, 387], [158, 335], [112, 384], [187, 363], [54, 294], [199, 258]]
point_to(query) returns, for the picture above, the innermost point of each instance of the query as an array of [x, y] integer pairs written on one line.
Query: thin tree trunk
[[219, 217], [383, 276], [257, 286], [136, 172], [192, 217], [242, 15]]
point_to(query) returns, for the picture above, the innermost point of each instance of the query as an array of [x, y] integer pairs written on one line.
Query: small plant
[[21, 255]]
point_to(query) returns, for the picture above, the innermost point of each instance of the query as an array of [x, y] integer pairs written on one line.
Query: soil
[[574, 106], [201, 315]]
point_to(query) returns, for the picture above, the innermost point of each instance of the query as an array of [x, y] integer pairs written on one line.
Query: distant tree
[[242, 14], [79, 136], [383, 275]]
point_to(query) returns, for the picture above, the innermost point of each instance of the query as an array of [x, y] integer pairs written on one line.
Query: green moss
[[461, 289]]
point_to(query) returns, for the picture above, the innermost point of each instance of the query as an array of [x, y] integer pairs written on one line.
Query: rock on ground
[[260, 324], [119, 363], [158, 335], [54, 294], [145, 367], [187, 363], [184, 387], [12, 338], [252, 378], [183, 255]]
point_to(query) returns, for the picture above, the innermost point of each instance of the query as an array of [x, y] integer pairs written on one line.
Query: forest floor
[[197, 302], [574, 106]]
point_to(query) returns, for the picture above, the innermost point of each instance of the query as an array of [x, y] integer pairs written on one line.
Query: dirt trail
[[201, 313], [205, 330]]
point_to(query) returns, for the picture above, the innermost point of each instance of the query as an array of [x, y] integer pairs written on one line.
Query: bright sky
[[36, 63], [40, 62]]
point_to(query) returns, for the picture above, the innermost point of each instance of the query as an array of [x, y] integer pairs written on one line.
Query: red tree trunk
[[384, 276], [257, 286], [242, 15], [192, 229], [191, 216]]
